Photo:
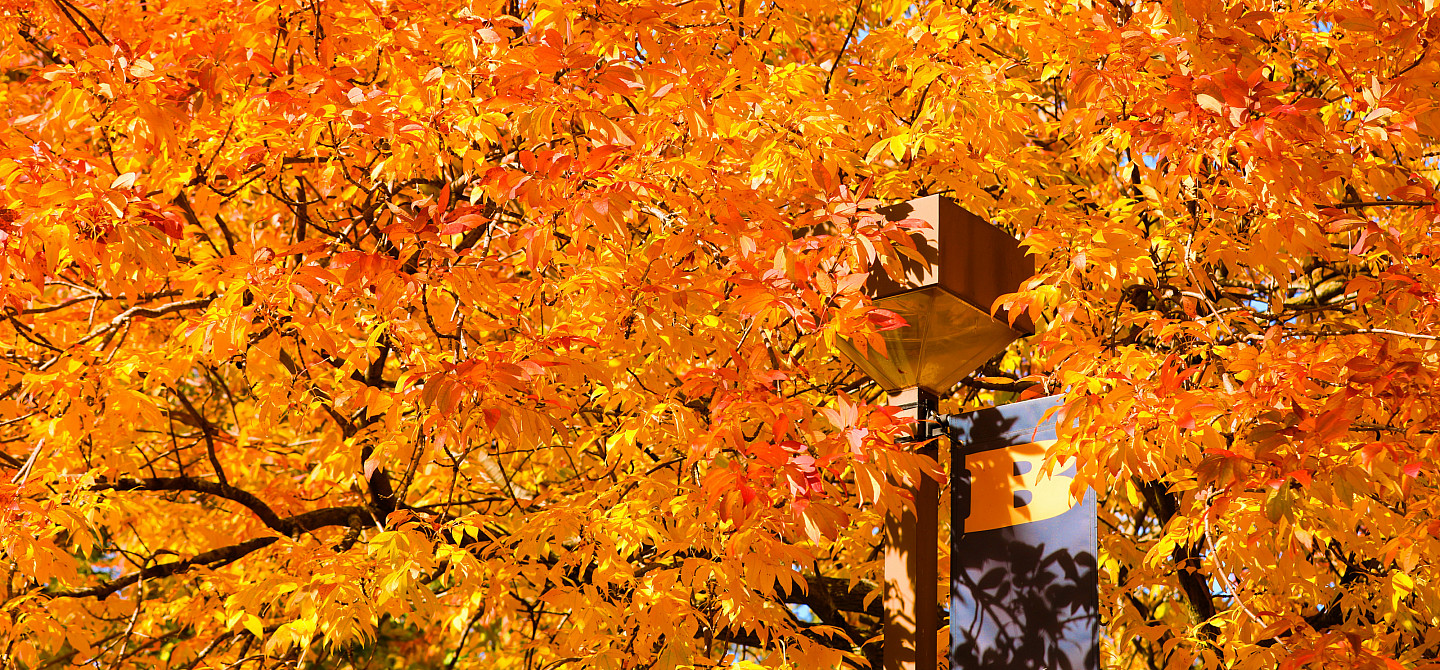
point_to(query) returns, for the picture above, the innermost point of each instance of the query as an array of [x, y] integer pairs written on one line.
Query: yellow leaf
[[252, 624]]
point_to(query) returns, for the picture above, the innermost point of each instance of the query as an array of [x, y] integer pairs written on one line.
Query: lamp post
[[945, 302], [1023, 560]]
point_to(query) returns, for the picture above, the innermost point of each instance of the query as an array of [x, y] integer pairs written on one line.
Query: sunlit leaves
[[513, 323]]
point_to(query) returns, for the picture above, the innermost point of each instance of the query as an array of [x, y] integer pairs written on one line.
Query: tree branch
[[1378, 331], [133, 312], [1187, 558], [191, 484], [214, 556], [843, 45], [288, 526], [1013, 387], [66, 7], [208, 432], [44, 50], [1378, 203]]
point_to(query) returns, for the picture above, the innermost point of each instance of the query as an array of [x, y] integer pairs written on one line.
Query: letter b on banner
[[1006, 488]]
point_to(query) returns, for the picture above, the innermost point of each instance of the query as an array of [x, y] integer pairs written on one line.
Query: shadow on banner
[[1023, 590]]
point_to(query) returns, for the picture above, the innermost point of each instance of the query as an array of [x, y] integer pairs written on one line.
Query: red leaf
[[885, 319], [463, 223]]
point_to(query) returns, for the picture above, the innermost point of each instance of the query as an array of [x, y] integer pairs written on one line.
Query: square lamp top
[[946, 300]]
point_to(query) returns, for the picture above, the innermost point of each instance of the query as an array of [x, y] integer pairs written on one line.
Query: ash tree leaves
[[500, 334], [439, 333], [1217, 314]]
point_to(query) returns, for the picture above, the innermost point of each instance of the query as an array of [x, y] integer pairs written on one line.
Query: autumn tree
[[476, 334]]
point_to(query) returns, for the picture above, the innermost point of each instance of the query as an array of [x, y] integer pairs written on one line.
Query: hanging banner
[[1023, 587]]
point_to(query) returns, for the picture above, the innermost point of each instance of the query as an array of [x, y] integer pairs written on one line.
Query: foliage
[[480, 334]]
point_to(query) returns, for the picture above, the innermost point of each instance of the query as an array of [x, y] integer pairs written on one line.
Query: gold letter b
[[998, 479]]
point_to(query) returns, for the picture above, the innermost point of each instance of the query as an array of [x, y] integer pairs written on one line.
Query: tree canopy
[[478, 334]]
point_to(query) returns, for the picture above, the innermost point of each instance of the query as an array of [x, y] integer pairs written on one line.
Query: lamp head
[[945, 301]]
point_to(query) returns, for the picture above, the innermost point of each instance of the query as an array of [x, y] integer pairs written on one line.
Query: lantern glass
[[945, 339]]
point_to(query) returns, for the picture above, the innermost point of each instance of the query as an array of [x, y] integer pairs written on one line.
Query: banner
[[1023, 587]]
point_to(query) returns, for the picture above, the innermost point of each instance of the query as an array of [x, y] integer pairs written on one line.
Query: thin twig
[[1229, 585], [131, 313], [843, 45], [24, 472], [64, 4], [1378, 203], [1378, 331], [208, 432], [44, 50], [1423, 52]]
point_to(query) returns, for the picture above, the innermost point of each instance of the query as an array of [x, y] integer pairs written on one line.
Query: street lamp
[[1010, 519], [949, 332]]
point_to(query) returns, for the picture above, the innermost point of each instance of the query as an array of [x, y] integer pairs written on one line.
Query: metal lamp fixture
[[945, 301], [1042, 543]]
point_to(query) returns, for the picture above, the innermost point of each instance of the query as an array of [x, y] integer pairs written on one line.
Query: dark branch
[[44, 50], [208, 431], [1187, 558], [1013, 387], [1378, 203], [288, 526], [261, 510], [213, 557], [837, 594], [330, 516]]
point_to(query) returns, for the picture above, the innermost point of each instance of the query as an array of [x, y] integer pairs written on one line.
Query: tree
[[480, 334]]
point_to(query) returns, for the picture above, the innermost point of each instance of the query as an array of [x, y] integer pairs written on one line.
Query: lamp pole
[[912, 536]]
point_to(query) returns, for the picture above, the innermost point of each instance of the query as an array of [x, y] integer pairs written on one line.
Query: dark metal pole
[[912, 547]]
